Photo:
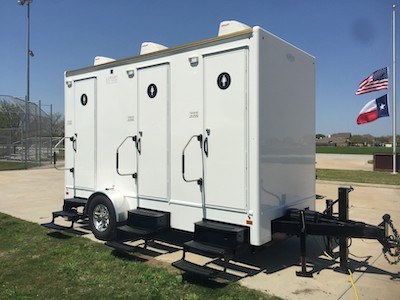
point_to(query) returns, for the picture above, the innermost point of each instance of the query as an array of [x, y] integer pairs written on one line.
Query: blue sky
[[349, 38]]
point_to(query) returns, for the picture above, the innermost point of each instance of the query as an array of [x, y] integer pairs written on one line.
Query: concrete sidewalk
[[32, 195]]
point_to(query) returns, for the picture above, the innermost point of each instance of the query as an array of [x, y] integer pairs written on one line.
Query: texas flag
[[373, 110]]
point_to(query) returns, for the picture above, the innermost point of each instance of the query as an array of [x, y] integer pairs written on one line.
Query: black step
[[136, 231], [81, 201], [146, 218], [208, 250], [202, 271], [70, 203], [71, 215], [51, 225], [221, 235], [120, 246]]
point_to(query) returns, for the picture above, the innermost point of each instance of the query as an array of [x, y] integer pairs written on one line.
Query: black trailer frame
[[307, 222]]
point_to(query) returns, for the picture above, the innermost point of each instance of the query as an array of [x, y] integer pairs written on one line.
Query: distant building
[[337, 140]]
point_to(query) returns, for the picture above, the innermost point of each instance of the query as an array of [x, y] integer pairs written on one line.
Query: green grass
[[358, 176], [354, 150], [36, 265], [14, 165]]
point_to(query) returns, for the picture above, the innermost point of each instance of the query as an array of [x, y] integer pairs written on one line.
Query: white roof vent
[[227, 27], [149, 47], [98, 60]]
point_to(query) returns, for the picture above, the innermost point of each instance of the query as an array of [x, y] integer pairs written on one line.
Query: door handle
[[139, 145], [199, 180], [134, 138], [206, 146], [73, 140]]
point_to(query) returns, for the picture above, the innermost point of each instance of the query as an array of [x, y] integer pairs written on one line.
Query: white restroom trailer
[[220, 129]]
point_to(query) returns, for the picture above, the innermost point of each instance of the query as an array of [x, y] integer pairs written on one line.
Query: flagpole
[[394, 145]]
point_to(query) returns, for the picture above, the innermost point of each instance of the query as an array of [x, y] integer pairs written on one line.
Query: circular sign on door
[[224, 81], [84, 99], [152, 90]]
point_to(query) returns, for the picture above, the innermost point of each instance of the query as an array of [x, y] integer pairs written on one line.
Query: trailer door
[[225, 117], [153, 126], [84, 146]]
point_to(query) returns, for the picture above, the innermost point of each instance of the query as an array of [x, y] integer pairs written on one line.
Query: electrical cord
[[350, 273], [352, 284], [367, 257], [328, 256], [349, 239], [323, 251]]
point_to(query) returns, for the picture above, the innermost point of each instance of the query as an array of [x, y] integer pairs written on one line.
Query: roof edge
[[172, 50]]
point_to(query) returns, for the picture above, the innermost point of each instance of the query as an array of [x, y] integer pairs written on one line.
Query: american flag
[[375, 82]]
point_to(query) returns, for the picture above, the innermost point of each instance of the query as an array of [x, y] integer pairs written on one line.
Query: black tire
[[102, 218]]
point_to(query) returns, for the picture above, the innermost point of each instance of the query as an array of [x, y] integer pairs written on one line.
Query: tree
[[319, 136], [357, 139], [380, 140], [368, 139], [57, 124], [10, 115]]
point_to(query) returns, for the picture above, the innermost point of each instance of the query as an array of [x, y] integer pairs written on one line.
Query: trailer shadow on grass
[[60, 234], [127, 256]]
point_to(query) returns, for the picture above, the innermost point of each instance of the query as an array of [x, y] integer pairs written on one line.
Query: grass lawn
[[358, 176], [354, 150], [14, 165], [36, 265]]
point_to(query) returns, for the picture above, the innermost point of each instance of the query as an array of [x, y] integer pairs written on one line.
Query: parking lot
[[32, 195]]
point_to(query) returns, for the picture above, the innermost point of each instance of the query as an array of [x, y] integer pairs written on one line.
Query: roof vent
[[227, 27], [98, 60], [149, 47]]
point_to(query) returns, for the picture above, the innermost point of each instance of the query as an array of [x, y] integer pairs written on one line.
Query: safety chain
[[396, 239]]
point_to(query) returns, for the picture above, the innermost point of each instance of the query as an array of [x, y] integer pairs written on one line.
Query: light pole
[[29, 53]]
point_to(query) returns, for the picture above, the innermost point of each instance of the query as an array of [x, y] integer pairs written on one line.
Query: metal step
[[71, 215], [51, 225], [191, 268], [222, 235], [214, 239], [146, 218], [208, 250], [71, 203], [76, 201], [136, 231]]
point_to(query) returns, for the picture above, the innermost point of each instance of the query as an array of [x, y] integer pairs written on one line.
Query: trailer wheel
[[102, 218]]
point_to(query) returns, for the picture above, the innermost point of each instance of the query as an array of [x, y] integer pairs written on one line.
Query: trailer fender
[[117, 199]]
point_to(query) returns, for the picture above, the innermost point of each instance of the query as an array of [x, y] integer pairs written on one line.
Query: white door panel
[[153, 95], [225, 91], [84, 109]]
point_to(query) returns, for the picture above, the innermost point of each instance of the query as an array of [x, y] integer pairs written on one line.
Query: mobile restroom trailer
[[220, 131]]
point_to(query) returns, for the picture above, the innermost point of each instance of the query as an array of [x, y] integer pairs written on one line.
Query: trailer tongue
[[306, 222]]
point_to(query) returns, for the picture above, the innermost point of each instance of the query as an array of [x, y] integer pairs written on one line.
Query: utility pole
[[29, 53]]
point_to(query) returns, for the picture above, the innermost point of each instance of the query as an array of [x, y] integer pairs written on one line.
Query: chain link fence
[[26, 133]]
